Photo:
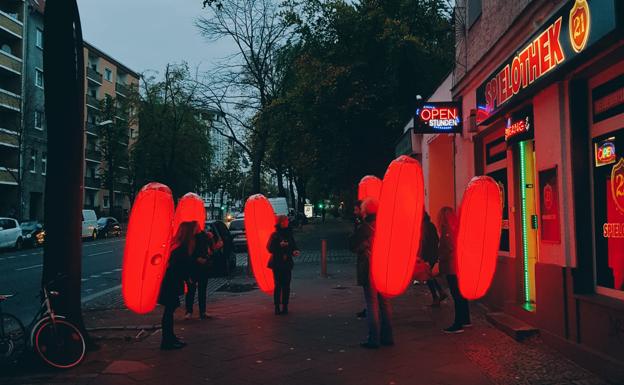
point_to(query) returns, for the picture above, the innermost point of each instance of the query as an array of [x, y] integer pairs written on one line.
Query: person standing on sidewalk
[[172, 286], [379, 310], [201, 263], [447, 252], [357, 222], [283, 248], [429, 254]]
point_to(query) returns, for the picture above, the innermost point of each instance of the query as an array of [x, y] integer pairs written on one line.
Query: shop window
[[608, 178]]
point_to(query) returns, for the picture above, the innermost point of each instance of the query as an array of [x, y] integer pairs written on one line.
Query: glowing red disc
[[190, 208], [480, 222], [146, 251], [259, 225], [399, 221], [369, 187]]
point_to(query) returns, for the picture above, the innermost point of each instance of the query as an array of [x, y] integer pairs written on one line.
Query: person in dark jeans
[[379, 309], [172, 286], [204, 248], [357, 222], [447, 252], [283, 248], [429, 253]]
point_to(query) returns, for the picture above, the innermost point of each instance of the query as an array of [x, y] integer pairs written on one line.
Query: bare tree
[[247, 82]]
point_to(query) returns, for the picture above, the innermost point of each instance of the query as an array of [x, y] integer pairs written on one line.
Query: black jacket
[[361, 243], [281, 256], [178, 270], [204, 243], [429, 243]]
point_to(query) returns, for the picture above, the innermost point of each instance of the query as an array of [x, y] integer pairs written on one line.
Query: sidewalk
[[318, 343]]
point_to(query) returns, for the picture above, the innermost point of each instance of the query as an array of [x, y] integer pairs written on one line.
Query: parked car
[[89, 224], [10, 234], [108, 227], [239, 238], [33, 234], [224, 260]]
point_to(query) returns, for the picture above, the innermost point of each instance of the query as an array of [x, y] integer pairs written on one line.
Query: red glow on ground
[[369, 187], [478, 239], [399, 222], [259, 225], [190, 208], [147, 247]]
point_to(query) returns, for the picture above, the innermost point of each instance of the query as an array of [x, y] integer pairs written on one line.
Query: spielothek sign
[[575, 26]]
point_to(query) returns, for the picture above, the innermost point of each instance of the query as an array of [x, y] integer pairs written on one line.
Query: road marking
[[29, 267], [23, 255], [103, 252], [95, 276], [11, 257], [104, 243], [107, 272], [84, 279], [118, 269], [93, 296]]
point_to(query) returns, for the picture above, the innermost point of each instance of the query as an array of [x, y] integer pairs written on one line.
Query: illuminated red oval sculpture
[[399, 221], [478, 238], [190, 208], [259, 225], [147, 247], [369, 187]]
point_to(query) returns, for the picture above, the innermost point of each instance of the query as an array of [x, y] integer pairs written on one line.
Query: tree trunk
[[280, 183], [64, 108], [256, 171], [291, 190]]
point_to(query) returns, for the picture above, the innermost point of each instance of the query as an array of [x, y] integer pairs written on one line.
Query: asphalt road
[[20, 274]]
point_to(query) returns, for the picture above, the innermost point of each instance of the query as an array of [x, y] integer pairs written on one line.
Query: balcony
[[92, 128], [10, 62], [8, 139], [94, 75], [93, 154], [6, 176], [10, 100], [10, 24], [93, 182], [122, 89], [92, 101]]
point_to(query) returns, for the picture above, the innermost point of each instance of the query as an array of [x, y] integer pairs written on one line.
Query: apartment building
[[107, 78]]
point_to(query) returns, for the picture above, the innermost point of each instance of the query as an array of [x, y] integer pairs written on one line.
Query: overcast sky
[[148, 34]]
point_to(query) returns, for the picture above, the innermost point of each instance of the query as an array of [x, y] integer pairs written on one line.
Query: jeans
[[379, 316], [282, 278], [201, 286], [435, 288], [167, 325], [462, 311]]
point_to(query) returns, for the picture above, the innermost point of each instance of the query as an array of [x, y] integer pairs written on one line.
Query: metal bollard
[[324, 258]]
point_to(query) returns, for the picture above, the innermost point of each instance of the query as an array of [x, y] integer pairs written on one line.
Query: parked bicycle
[[54, 339]]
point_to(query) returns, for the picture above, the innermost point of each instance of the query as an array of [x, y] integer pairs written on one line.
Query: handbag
[[422, 270]]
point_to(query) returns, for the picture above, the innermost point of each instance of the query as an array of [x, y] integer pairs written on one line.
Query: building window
[[33, 161], [106, 204], [39, 38], [474, 11], [39, 120], [44, 163], [108, 74], [38, 78]]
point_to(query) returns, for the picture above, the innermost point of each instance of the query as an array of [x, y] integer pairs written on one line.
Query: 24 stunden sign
[[574, 27]]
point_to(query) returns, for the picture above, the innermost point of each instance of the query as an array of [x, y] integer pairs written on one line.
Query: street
[[21, 274]]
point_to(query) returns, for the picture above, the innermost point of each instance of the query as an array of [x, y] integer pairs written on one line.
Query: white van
[[89, 224], [280, 205]]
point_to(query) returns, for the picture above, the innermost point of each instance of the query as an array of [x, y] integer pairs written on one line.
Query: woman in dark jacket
[[283, 248], [200, 266], [429, 253], [172, 286]]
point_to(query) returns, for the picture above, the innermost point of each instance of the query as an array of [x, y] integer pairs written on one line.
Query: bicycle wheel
[[59, 344], [12, 338]]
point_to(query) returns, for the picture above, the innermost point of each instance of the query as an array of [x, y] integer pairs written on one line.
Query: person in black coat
[[283, 248], [172, 286], [200, 269], [429, 253]]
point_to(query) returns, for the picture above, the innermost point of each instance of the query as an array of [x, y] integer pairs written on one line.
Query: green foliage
[[173, 146]]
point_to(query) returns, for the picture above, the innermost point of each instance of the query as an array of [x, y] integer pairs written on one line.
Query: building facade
[[541, 87]]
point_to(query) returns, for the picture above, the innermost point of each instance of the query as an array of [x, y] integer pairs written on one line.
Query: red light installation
[[147, 247], [480, 222], [399, 221], [190, 208], [259, 225], [369, 187]]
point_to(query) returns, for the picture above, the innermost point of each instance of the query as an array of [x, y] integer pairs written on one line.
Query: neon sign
[[579, 25], [438, 117], [605, 152], [517, 128]]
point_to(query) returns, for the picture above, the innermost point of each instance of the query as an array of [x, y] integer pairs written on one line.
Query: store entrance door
[[526, 220]]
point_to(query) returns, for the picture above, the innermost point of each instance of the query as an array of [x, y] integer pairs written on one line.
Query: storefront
[[549, 128]]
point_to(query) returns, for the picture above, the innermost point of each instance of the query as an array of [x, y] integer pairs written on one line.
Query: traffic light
[[320, 206]]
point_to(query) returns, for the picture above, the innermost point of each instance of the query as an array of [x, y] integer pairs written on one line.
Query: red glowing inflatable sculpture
[[147, 247], [190, 208], [480, 222], [369, 187], [259, 225], [399, 222]]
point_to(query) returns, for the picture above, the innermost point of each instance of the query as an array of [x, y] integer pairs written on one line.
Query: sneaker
[[172, 345], [369, 345], [453, 329], [187, 316], [468, 325], [205, 316]]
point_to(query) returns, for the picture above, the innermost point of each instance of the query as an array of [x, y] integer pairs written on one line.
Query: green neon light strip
[[525, 243]]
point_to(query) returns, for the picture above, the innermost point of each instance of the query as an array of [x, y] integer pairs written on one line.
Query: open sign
[[438, 118]]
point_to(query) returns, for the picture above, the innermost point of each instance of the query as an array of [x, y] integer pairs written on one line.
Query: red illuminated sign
[[605, 152], [579, 25], [438, 117], [517, 128]]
